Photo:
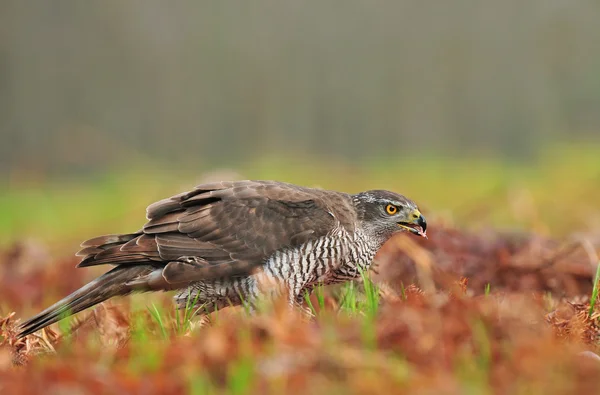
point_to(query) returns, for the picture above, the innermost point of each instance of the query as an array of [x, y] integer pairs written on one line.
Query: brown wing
[[228, 229]]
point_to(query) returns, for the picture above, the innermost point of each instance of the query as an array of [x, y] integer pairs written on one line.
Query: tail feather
[[116, 282]]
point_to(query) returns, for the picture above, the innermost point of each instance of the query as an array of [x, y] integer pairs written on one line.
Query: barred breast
[[331, 259], [334, 258]]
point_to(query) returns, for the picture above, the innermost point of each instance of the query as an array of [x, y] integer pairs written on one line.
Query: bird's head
[[384, 213]]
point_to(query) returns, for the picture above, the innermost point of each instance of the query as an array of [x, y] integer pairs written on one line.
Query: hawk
[[216, 242]]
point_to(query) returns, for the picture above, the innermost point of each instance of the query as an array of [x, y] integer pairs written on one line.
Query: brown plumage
[[213, 239]]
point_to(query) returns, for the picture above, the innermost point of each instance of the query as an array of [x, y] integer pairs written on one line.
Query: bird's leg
[[298, 299], [305, 309], [204, 320], [194, 303]]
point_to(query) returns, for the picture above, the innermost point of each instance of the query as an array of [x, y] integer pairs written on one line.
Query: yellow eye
[[391, 209]]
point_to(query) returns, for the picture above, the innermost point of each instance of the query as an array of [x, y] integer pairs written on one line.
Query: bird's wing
[[221, 229]]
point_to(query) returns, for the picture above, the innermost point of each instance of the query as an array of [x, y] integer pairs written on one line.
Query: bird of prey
[[212, 243]]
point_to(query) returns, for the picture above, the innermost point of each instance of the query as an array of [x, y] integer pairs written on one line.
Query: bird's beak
[[417, 224]]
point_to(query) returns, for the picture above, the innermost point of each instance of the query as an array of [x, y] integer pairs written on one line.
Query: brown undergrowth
[[438, 328]]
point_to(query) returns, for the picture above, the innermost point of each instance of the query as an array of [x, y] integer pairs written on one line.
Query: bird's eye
[[391, 209]]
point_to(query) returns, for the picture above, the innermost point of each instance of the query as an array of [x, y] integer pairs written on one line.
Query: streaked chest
[[322, 259]]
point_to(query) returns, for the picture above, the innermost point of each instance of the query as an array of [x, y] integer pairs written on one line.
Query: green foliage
[[402, 290], [146, 352], [241, 371], [183, 319], [473, 365], [487, 289], [60, 212], [309, 303], [319, 293], [157, 315], [348, 298], [370, 304], [200, 384], [595, 290]]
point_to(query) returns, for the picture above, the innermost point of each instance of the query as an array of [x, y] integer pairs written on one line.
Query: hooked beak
[[418, 225]]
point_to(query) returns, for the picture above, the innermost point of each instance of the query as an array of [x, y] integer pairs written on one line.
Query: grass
[[191, 306], [240, 374], [177, 322], [595, 290], [348, 298], [371, 297], [475, 192], [158, 318], [318, 293]]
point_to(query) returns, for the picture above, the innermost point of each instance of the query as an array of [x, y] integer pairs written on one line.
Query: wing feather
[[230, 227]]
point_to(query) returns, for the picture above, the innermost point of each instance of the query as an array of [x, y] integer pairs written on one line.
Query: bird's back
[[216, 231], [214, 238]]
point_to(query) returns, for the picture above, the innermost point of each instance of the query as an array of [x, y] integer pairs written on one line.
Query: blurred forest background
[[104, 87]]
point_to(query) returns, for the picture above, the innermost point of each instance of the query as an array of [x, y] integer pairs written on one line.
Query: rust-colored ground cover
[[461, 312]]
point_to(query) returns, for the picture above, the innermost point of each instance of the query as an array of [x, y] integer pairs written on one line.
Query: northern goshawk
[[215, 243]]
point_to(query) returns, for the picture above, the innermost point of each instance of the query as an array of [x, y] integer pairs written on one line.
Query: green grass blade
[[320, 293], [158, 318], [309, 303], [595, 290], [348, 298], [371, 304], [402, 290]]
